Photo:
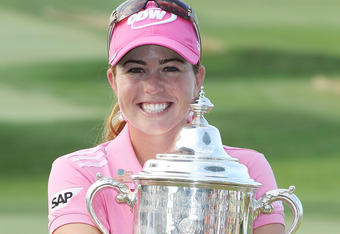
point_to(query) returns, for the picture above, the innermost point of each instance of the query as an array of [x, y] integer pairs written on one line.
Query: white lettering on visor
[[152, 14]]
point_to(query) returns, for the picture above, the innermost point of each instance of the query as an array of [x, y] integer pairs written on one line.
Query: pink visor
[[154, 26]]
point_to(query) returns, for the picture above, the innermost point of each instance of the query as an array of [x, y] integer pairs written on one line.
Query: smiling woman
[[154, 86], [155, 72]]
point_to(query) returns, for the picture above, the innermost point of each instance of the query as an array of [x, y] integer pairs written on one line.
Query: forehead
[[147, 52]]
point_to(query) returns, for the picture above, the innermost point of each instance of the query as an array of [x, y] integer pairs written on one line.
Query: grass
[[273, 75], [24, 223]]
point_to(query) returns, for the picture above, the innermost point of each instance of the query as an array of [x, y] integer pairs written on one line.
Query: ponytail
[[113, 125]]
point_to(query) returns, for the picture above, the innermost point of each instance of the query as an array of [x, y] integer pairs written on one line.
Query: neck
[[148, 146]]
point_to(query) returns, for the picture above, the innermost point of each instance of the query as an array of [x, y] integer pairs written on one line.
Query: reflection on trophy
[[197, 188]]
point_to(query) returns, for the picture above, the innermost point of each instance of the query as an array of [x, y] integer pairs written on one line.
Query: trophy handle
[[263, 205], [124, 196]]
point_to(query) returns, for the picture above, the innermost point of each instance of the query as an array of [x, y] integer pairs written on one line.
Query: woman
[[155, 72]]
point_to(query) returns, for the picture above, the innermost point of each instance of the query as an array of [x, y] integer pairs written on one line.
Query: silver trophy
[[196, 189]]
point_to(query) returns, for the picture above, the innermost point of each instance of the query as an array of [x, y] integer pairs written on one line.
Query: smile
[[154, 108]]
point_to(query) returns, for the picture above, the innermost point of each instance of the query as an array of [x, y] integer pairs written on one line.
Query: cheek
[[124, 86], [123, 93], [188, 88]]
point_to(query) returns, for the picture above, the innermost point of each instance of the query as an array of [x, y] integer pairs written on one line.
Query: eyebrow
[[141, 62], [164, 61], [161, 62]]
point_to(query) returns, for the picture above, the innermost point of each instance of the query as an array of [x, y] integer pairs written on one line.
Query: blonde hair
[[113, 125]]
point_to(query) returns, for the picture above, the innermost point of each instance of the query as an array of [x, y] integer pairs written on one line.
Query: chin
[[162, 128]]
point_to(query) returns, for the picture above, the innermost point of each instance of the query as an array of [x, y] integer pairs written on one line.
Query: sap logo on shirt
[[151, 14], [62, 198]]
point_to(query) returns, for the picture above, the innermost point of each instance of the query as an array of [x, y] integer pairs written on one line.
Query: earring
[[121, 117], [190, 117]]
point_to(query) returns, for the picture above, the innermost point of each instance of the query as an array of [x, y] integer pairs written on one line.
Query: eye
[[171, 69], [136, 70]]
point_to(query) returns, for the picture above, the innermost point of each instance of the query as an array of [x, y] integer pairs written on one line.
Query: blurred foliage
[[270, 64]]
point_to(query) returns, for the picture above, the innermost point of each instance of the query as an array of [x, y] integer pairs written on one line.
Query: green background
[[273, 74]]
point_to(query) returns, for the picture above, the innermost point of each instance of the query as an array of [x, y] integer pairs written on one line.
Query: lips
[[154, 108]]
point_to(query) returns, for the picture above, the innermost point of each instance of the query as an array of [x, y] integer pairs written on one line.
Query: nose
[[153, 84]]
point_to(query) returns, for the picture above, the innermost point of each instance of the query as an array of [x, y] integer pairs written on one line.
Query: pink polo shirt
[[73, 174]]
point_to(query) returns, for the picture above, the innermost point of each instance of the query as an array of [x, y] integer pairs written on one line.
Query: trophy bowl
[[196, 189]]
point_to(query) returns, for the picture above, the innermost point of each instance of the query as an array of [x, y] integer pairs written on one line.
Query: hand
[[270, 229], [77, 228]]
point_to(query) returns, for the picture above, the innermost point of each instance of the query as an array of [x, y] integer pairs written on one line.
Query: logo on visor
[[158, 15]]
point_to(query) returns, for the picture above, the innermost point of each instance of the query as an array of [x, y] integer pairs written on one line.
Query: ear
[[112, 79], [199, 79]]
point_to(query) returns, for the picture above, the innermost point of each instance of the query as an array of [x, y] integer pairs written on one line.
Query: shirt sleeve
[[67, 187], [260, 170]]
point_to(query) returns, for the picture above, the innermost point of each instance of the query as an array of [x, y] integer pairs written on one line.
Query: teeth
[[155, 108]]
